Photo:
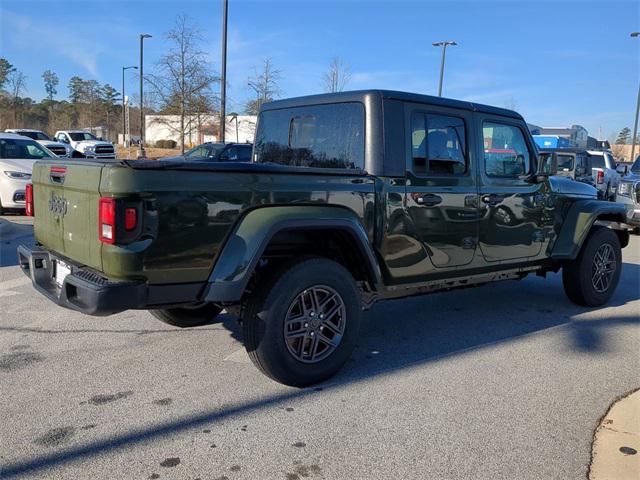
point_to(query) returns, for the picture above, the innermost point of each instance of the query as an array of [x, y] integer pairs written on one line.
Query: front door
[[512, 209], [441, 193]]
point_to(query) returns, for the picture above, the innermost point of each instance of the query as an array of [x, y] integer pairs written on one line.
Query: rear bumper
[[82, 290]]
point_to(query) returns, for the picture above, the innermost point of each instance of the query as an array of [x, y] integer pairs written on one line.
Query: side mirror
[[101, 139], [622, 169], [547, 164]]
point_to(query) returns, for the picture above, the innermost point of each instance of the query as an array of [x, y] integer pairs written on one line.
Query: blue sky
[[558, 62]]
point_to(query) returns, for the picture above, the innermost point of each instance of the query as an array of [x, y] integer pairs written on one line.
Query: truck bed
[[187, 209]]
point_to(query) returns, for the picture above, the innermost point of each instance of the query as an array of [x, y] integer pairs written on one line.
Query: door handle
[[429, 200], [492, 199]]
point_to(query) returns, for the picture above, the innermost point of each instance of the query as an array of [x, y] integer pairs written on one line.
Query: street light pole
[[223, 79], [124, 106], [635, 123], [444, 46], [141, 153]]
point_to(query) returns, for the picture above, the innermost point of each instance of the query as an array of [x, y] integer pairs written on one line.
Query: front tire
[[591, 279], [187, 317], [301, 322]]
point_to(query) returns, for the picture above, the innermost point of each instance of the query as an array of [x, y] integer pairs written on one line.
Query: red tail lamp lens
[[28, 197], [107, 220]]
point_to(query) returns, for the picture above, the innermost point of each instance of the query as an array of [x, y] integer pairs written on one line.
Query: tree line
[[182, 83]]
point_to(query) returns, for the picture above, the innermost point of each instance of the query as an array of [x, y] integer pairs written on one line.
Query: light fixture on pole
[[223, 79], [635, 123], [444, 46], [141, 153], [124, 106]]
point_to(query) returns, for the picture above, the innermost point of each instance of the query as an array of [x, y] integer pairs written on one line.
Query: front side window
[[320, 136], [22, 149], [244, 153], [505, 151], [438, 145]]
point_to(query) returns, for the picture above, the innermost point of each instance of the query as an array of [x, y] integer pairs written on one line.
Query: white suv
[[87, 145], [60, 149], [17, 156]]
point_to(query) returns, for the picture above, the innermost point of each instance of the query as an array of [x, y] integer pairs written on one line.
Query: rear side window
[[320, 136], [438, 145], [505, 151]]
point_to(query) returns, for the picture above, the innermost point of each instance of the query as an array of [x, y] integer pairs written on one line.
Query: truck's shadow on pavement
[[407, 334]]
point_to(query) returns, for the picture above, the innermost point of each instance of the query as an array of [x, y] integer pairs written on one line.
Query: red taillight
[[600, 176], [130, 218], [58, 170], [107, 220], [28, 198]]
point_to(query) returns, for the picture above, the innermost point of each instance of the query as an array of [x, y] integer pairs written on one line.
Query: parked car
[[604, 171], [17, 156], [352, 198], [86, 145], [629, 194], [60, 149], [217, 152], [571, 163]]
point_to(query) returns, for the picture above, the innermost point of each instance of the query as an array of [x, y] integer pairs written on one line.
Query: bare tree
[[184, 81], [17, 82], [336, 78], [265, 86]]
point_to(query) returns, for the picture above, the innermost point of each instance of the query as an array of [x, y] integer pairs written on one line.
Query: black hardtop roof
[[360, 95]]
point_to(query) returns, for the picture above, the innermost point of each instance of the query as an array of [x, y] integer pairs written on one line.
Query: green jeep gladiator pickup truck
[[349, 198]]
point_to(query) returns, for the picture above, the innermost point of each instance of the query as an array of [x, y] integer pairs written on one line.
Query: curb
[[615, 450]]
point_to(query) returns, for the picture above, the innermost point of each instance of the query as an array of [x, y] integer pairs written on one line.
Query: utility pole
[[223, 80], [124, 116], [635, 123], [141, 153], [444, 46]]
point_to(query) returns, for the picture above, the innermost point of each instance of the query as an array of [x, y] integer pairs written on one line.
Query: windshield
[[22, 149], [205, 151], [636, 165], [80, 136], [565, 162], [35, 135]]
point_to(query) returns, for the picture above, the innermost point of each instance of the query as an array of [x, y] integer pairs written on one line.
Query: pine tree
[[624, 137]]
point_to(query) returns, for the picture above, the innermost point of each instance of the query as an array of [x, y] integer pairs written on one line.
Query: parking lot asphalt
[[506, 381]]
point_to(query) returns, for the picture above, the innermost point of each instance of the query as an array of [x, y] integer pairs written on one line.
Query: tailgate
[[66, 209]]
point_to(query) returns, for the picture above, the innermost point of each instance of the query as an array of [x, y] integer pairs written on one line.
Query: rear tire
[[301, 322], [187, 317], [591, 279]]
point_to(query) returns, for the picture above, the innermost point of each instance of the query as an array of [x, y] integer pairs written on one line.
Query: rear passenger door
[[512, 209], [441, 193]]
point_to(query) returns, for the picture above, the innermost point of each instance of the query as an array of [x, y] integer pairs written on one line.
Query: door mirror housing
[[547, 166]]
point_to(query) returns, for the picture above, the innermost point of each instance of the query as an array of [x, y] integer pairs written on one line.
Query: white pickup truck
[[606, 178], [85, 144], [60, 149]]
